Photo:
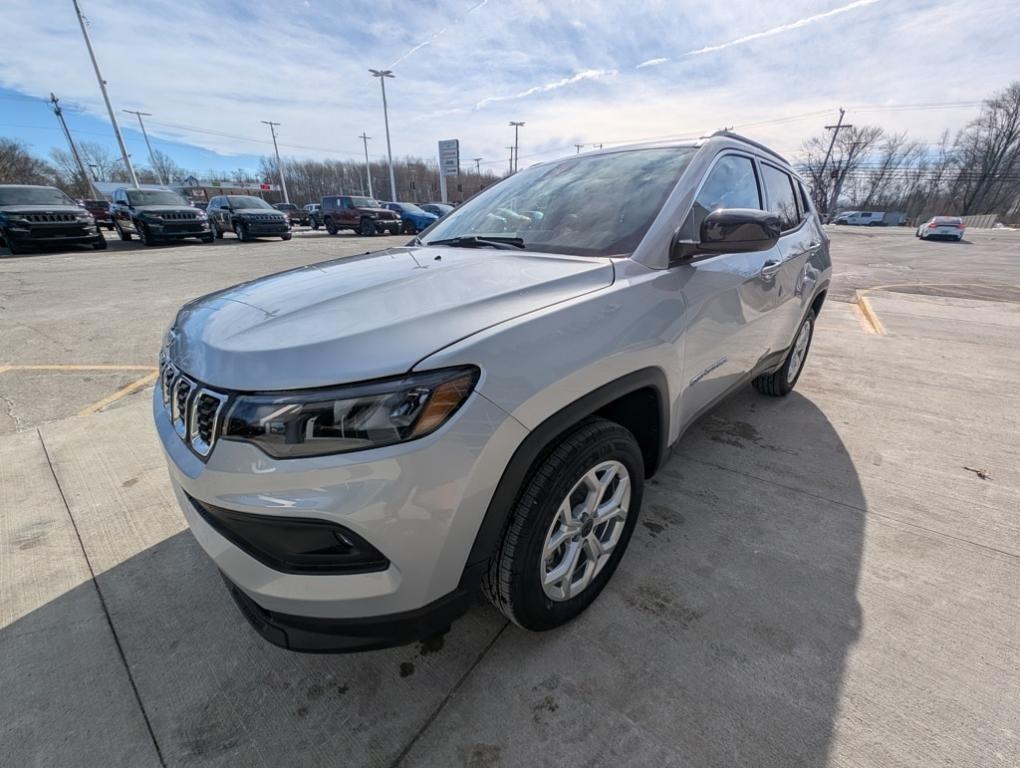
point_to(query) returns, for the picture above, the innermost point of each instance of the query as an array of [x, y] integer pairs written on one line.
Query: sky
[[575, 72]]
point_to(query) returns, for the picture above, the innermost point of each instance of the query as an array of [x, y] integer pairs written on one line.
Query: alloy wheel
[[584, 531]]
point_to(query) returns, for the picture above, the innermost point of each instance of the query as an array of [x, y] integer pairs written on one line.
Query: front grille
[[266, 218], [179, 216], [50, 217], [195, 411]]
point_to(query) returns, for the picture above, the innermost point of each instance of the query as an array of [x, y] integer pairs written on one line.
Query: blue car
[[414, 218]]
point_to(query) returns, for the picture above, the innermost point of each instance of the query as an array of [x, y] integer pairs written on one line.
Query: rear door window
[[782, 198]]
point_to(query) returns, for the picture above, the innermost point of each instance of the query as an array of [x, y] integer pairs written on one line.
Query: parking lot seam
[[124, 391], [446, 699], [102, 602]]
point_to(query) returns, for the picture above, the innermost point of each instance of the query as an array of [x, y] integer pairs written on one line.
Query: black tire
[[315, 226], [241, 231], [144, 235], [217, 233], [409, 228], [125, 236], [512, 581], [330, 226], [366, 228], [100, 244], [207, 238], [16, 249], [287, 236], [779, 383]]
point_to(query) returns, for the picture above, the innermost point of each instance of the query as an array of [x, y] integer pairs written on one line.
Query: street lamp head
[[382, 73]]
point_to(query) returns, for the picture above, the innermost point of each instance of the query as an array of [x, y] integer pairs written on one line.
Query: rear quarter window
[[781, 196]]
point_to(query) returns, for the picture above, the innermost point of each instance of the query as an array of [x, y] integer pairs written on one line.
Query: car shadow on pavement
[[722, 638], [721, 641]]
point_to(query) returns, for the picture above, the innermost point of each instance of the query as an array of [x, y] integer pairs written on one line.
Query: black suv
[[295, 214], [34, 216], [247, 217], [157, 215]]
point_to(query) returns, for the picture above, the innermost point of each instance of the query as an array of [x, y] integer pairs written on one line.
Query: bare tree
[[851, 147], [19, 166], [988, 155]]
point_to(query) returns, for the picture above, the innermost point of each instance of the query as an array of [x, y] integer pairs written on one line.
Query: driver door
[[728, 297]]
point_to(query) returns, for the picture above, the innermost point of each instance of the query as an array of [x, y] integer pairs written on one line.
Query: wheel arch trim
[[542, 438]]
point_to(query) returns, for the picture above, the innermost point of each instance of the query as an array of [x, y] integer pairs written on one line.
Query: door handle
[[770, 269]]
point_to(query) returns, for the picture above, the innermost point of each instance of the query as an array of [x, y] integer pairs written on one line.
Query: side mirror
[[731, 230]]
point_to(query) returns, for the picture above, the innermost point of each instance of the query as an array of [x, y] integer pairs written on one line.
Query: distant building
[[196, 189]]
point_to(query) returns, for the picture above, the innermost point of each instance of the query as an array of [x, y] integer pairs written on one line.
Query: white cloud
[[652, 63], [588, 74]]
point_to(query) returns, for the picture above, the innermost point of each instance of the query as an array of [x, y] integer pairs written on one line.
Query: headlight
[[354, 418], [84, 217], [200, 214], [151, 216]]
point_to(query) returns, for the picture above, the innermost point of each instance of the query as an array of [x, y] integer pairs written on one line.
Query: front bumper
[[80, 234], [419, 503], [257, 228], [178, 229]]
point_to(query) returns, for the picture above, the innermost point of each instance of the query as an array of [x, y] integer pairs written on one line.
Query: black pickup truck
[[34, 216]]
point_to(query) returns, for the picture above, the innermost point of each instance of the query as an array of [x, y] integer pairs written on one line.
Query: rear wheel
[[315, 225], [366, 228], [331, 226], [781, 383], [569, 528], [409, 228]]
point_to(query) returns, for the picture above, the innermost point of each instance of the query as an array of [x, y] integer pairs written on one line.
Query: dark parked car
[[362, 214], [247, 217], [157, 215], [295, 214], [34, 216], [414, 218], [314, 211], [100, 210], [439, 209]]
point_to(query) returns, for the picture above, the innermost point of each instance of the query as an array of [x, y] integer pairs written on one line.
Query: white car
[[950, 227], [861, 218]]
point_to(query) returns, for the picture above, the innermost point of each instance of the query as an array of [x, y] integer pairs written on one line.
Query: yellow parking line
[[869, 314], [861, 319], [134, 386]]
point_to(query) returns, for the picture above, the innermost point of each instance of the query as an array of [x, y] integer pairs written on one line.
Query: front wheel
[[409, 228], [121, 233], [331, 226], [287, 236], [569, 527], [241, 231], [144, 235], [100, 244], [781, 383], [366, 228], [15, 248]]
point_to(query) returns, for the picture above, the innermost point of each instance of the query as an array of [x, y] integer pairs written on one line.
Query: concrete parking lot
[[828, 579]]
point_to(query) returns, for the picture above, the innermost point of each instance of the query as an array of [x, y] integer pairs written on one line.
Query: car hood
[[259, 210], [16, 208], [386, 213], [368, 316]]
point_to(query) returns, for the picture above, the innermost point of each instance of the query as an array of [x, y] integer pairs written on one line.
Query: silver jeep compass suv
[[360, 444]]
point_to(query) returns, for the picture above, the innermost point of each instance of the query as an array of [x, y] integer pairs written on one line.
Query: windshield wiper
[[489, 241]]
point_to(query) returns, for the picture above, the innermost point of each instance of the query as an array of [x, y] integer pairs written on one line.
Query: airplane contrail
[[784, 27], [766, 33], [435, 35]]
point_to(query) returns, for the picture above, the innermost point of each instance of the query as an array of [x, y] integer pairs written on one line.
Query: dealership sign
[[449, 157]]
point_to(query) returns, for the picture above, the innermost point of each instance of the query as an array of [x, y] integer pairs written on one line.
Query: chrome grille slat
[[195, 410], [50, 217]]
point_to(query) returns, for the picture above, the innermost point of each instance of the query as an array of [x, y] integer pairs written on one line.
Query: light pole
[[517, 154], [382, 74], [106, 97], [279, 164], [368, 167], [152, 157], [478, 165]]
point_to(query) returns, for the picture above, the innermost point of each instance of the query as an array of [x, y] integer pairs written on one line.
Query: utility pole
[[70, 143], [368, 167], [478, 165], [152, 157], [382, 74], [106, 96], [510, 171], [835, 132], [517, 155], [279, 164], [578, 146]]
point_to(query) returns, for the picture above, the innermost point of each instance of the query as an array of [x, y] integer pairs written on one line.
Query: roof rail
[[752, 142]]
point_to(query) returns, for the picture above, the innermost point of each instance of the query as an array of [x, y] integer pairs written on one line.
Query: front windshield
[[600, 205], [365, 202], [239, 201], [287, 207], [154, 197], [409, 208], [33, 196]]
